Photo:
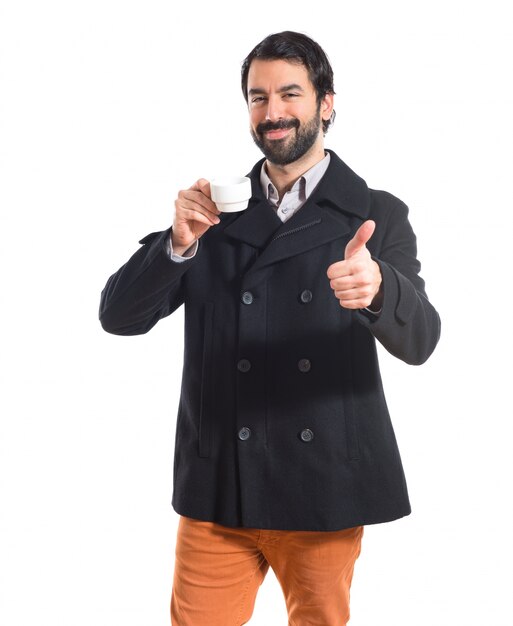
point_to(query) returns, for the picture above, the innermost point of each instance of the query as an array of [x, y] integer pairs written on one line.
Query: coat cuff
[[399, 299], [158, 252]]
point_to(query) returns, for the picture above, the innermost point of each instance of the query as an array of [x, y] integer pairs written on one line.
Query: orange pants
[[218, 571]]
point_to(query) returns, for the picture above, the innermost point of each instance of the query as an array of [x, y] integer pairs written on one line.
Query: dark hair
[[296, 48]]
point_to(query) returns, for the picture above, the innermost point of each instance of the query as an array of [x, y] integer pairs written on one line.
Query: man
[[284, 446]]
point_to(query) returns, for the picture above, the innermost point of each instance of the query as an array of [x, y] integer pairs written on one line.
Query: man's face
[[285, 117]]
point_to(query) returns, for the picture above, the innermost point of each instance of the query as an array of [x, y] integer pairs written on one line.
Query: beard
[[294, 145]]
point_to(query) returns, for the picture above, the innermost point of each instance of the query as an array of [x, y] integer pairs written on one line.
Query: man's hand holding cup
[[198, 208], [195, 214]]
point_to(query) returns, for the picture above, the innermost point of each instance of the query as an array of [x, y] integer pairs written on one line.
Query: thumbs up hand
[[357, 280]]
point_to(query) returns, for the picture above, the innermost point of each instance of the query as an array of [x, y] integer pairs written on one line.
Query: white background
[[108, 108]]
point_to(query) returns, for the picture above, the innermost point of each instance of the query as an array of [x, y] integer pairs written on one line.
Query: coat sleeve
[[144, 290], [408, 325]]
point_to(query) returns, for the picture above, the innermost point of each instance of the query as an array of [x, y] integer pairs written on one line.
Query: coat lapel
[[310, 227], [323, 218], [256, 225]]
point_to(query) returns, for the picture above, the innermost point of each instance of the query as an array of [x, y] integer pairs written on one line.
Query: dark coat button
[[243, 365], [306, 296], [244, 433], [304, 365], [306, 435], [247, 297]]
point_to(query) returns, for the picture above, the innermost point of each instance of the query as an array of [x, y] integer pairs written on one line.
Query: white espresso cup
[[231, 193]]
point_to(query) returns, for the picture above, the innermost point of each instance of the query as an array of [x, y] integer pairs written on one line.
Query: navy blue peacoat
[[282, 419]]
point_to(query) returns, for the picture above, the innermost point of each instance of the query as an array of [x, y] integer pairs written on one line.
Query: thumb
[[361, 237]]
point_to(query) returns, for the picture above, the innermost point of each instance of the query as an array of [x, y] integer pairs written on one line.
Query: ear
[[327, 106]]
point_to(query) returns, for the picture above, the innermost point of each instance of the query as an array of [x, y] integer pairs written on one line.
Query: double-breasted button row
[[305, 297], [304, 365], [305, 435]]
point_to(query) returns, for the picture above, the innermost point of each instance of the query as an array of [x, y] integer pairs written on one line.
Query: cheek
[[307, 113], [255, 118]]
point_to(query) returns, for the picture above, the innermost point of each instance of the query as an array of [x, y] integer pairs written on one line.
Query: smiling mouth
[[277, 134]]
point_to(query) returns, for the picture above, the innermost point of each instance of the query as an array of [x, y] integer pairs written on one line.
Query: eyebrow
[[291, 87]]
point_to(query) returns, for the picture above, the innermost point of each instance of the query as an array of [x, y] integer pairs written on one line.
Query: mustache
[[264, 127]]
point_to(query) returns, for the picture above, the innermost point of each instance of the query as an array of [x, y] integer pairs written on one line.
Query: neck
[[283, 177]]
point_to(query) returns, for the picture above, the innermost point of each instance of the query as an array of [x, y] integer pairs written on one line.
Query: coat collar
[[341, 192]]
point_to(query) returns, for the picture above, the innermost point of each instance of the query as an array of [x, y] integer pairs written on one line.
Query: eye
[[291, 95], [257, 99]]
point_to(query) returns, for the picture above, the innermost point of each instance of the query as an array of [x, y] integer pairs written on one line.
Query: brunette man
[[284, 445]]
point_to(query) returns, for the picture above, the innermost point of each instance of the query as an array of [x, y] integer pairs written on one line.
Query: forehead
[[270, 75]]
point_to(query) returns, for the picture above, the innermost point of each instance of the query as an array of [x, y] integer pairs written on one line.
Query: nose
[[274, 110]]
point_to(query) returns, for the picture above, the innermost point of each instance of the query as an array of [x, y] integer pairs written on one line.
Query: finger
[[201, 191], [198, 196], [351, 267], [339, 269], [354, 304], [356, 293], [361, 237], [198, 216], [343, 284], [203, 185], [357, 277], [198, 201]]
